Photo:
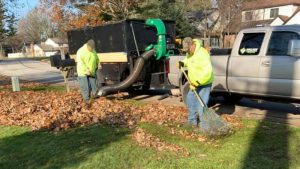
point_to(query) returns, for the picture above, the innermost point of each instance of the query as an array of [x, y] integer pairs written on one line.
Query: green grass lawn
[[257, 145]]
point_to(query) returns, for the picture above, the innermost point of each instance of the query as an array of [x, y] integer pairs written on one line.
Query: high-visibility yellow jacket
[[86, 61], [199, 66]]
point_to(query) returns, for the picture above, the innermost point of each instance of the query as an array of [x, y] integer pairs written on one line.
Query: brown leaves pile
[[60, 110], [233, 120], [188, 135], [148, 140]]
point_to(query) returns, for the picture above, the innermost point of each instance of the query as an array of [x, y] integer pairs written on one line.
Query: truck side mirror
[[294, 48]]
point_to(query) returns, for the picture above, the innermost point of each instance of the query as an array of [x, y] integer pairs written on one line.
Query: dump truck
[[133, 53]]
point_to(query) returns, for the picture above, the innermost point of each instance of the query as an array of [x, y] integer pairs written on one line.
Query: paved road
[[31, 70]]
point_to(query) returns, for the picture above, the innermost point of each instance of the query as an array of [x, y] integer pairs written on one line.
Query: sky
[[26, 6]]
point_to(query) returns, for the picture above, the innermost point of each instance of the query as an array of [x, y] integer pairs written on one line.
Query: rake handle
[[197, 95]]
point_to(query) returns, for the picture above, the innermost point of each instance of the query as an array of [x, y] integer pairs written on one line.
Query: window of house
[[251, 43], [248, 16], [279, 42], [274, 12]]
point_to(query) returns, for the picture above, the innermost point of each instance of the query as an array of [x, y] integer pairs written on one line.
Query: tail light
[[167, 66]]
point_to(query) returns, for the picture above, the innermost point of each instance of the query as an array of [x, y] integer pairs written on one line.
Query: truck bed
[[219, 63]]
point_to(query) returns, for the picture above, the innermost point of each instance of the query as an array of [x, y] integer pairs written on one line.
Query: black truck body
[[127, 38]]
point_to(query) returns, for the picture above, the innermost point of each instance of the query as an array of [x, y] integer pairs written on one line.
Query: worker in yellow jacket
[[200, 73], [87, 65]]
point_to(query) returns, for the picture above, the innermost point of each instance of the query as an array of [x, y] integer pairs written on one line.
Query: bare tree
[[117, 9], [36, 26], [229, 11]]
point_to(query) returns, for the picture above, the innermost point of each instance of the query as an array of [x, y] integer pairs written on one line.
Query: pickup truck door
[[244, 62], [279, 73]]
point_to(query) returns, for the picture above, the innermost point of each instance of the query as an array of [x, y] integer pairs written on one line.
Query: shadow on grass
[[50, 150], [269, 147], [269, 143]]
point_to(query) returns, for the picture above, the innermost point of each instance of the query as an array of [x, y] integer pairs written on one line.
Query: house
[[284, 20], [44, 50], [208, 26], [263, 13], [276, 12], [50, 47]]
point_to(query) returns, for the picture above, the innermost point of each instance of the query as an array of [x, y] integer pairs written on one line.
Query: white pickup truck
[[264, 62]]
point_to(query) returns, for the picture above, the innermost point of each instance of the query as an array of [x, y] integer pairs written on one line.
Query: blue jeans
[[195, 108], [87, 85]]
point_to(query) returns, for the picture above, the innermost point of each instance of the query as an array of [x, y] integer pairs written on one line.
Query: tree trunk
[[1, 50]]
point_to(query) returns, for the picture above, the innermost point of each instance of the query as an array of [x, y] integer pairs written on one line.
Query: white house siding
[[264, 14], [38, 51], [294, 20], [256, 15], [287, 10]]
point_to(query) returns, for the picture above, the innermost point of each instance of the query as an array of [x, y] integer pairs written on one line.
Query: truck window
[[251, 43], [279, 42]]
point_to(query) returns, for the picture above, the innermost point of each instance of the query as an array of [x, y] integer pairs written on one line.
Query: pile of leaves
[[148, 140], [187, 135], [52, 110], [59, 110], [233, 120]]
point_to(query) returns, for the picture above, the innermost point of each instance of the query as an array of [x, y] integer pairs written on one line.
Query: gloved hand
[[192, 87], [179, 64], [88, 72]]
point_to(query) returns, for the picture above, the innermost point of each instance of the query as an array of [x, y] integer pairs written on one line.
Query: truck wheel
[[184, 89]]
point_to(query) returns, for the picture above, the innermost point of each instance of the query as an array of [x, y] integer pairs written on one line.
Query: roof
[[259, 4], [59, 40], [295, 13], [284, 18], [47, 48]]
